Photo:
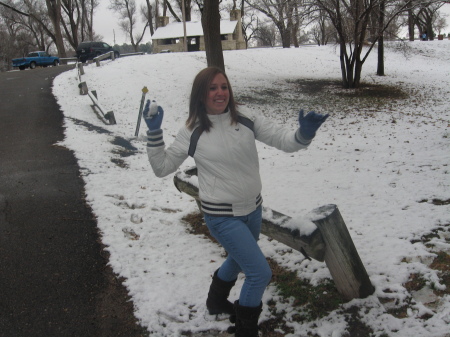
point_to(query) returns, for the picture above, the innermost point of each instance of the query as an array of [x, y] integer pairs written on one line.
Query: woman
[[222, 142]]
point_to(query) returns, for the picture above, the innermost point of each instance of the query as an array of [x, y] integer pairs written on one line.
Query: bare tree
[[425, 16], [187, 8], [168, 5], [40, 24], [15, 39], [265, 34], [211, 33], [249, 26], [71, 21], [87, 19], [351, 19], [77, 20], [147, 12], [34, 11], [127, 13], [322, 31], [440, 24], [281, 13], [27, 33], [39, 15]]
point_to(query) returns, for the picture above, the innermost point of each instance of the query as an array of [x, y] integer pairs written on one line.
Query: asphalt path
[[54, 278]]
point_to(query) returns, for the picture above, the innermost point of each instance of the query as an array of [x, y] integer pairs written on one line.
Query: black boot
[[247, 320], [217, 302]]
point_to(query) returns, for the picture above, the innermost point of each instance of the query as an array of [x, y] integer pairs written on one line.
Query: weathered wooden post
[[80, 68], [322, 235], [83, 88], [341, 256]]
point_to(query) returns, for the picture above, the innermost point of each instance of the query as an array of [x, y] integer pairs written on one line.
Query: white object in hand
[[153, 108]]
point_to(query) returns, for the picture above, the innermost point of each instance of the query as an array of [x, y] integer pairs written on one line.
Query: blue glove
[[310, 123], [153, 121]]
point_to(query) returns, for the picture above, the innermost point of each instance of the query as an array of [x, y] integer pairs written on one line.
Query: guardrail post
[[83, 88], [341, 256], [80, 68]]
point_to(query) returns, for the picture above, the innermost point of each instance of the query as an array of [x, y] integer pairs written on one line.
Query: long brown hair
[[199, 93]]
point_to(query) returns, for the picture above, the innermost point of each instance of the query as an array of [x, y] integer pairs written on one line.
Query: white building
[[170, 36]]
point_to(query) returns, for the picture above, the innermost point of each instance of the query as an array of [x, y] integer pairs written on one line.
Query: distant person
[[424, 36], [229, 183]]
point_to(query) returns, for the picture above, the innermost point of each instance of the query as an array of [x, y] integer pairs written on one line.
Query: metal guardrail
[[67, 59], [132, 54]]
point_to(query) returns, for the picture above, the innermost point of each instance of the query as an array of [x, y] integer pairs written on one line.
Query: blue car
[[34, 59]]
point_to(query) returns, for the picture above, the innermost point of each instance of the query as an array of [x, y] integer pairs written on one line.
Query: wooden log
[[309, 244], [341, 256], [183, 185]]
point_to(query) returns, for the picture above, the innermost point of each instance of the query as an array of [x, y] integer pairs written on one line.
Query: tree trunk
[[211, 32], [150, 16], [430, 32], [358, 72], [410, 25], [187, 9], [294, 24], [380, 67], [169, 6], [54, 11], [285, 36]]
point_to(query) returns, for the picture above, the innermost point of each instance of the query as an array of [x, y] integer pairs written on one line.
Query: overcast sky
[[106, 24]]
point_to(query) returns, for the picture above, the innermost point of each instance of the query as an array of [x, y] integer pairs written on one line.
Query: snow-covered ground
[[381, 163]]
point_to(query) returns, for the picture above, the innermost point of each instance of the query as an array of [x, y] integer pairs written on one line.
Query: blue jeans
[[239, 236]]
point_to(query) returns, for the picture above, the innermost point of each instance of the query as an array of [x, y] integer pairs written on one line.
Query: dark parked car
[[89, 49]]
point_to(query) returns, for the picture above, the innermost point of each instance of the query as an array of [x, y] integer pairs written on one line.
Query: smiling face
[[218, 95]]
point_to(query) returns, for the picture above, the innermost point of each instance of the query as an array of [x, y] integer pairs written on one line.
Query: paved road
[[54, 280]]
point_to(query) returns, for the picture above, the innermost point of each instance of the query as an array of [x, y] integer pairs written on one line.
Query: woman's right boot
[[217, 302], [247, 320]]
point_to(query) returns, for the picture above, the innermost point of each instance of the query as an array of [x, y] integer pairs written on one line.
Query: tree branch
[[14, 9]]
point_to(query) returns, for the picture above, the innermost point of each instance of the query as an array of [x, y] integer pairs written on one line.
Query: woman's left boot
[[217, 302], [246, 320]]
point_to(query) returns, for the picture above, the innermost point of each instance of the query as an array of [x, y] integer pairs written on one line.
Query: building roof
[[175, 29]]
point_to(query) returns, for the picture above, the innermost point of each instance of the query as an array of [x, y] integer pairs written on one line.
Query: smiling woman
[[230, 185], [218, 95]]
